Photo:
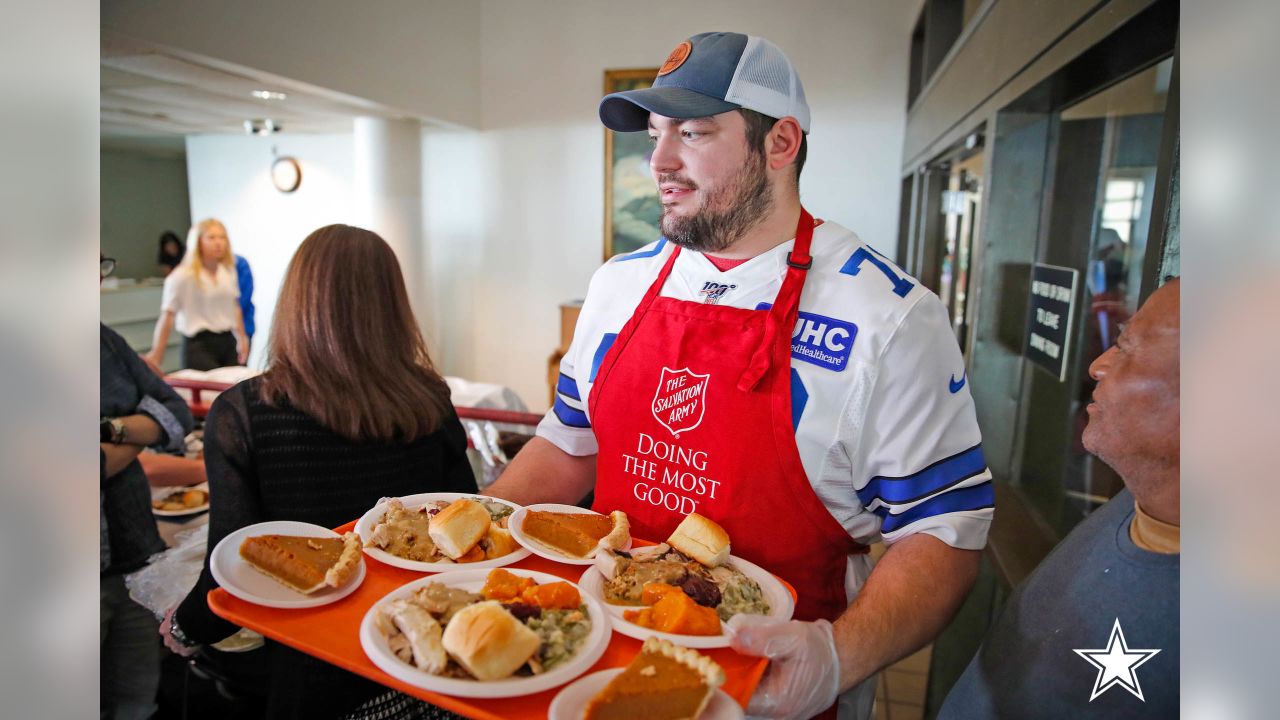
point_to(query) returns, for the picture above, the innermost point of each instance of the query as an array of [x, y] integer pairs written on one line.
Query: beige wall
[[513, 211], [538, 202], [142, 196]]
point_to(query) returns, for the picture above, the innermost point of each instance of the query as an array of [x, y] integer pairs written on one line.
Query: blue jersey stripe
[[935, 478], [799, 398], [662, 242], [567, 387], [570, 416], [970, 498], [606, 342]]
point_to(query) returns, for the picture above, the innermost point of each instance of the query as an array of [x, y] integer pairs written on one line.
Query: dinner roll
[[457, 528], [701, 539], [489, 641]]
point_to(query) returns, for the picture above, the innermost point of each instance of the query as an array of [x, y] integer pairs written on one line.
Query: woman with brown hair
[[349, 410]]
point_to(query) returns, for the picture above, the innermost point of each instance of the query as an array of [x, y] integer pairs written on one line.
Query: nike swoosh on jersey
[[955, 385]]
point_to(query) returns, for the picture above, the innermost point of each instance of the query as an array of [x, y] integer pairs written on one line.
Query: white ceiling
[[152, 97]]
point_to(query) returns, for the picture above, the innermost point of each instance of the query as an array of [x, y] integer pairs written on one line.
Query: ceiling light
[[261, 126], [269, 95]]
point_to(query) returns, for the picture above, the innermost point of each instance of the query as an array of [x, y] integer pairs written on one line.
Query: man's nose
[[666, 154], [1098, 367]]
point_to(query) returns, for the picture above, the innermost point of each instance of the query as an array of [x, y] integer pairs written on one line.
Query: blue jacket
[[245, 276]]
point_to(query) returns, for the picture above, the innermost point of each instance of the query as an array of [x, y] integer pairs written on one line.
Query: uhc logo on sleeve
[[823, 341]]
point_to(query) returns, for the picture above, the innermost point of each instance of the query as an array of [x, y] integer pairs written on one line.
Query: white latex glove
[[803, 678]]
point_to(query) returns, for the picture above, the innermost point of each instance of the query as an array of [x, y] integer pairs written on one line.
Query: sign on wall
[[1053, 302]]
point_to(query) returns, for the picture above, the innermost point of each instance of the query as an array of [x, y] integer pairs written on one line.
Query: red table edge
[[217, 597], [200, 409]]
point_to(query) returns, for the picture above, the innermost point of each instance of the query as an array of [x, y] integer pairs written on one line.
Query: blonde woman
[[202, 298]]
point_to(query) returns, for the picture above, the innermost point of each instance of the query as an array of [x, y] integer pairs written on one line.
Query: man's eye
[[1121, 338], [690, 134], [653, 139]]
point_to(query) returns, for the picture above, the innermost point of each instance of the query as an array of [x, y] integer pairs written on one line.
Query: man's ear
[[782, 143]]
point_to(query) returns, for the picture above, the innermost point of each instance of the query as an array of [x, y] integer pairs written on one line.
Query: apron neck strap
[[782, 316], [655, 289], [786, 306]]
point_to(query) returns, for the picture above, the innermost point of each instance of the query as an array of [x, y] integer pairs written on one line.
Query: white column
[[388, 184]]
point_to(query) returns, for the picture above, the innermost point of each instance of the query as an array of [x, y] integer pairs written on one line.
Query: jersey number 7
[[901, 285]]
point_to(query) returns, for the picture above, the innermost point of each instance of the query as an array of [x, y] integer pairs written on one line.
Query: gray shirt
[[1028, 667]]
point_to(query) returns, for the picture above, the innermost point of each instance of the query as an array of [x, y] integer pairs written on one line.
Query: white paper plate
[[364, 528], [775, 593], [242, 580], [571, 702], [163, 492], [516, 525], [375, 645]]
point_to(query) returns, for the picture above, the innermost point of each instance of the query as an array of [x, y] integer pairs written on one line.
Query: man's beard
[[726, 214]]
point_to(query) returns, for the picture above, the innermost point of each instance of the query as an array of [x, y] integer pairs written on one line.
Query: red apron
[[692, 411]]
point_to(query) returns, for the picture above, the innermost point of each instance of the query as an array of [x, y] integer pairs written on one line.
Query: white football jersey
[[884, 421]]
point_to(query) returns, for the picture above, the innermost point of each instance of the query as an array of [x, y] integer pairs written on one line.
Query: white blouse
[[206, 305]]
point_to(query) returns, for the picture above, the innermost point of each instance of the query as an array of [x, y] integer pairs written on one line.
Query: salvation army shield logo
[[680, 400]]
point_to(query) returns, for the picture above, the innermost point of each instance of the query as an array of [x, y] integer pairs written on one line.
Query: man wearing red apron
[[703, 362], [741, 393]]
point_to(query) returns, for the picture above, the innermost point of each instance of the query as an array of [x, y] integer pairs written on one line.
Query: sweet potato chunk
[[503, 585], [553, 596], [673, 611]]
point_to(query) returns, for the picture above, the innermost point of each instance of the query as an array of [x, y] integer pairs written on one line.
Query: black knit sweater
[[277, 463]]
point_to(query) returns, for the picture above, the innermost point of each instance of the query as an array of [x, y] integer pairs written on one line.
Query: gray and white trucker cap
[[711, 73]]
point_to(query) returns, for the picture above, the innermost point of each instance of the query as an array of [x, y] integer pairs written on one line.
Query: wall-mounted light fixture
[[268, 95]]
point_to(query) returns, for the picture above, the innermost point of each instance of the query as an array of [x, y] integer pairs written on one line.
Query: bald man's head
[[1133, 419]]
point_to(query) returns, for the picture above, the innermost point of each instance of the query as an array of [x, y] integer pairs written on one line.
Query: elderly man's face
[[1133, 419]]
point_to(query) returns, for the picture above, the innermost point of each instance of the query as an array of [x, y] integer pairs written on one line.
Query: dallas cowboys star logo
[[1116, 664]]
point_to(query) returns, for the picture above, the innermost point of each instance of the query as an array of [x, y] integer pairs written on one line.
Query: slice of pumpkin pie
[[664, 682], [305, 564], [574, 534]]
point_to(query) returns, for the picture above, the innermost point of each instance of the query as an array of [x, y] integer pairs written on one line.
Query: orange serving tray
[[332, 633]]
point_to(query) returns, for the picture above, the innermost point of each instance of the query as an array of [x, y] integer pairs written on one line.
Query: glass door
[[1099, 181], [961, 202], [939, 226]]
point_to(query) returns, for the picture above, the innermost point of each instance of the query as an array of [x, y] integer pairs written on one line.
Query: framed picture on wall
[[631, 207]]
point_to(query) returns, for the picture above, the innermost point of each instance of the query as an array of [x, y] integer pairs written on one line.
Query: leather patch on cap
[[676, 58]]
